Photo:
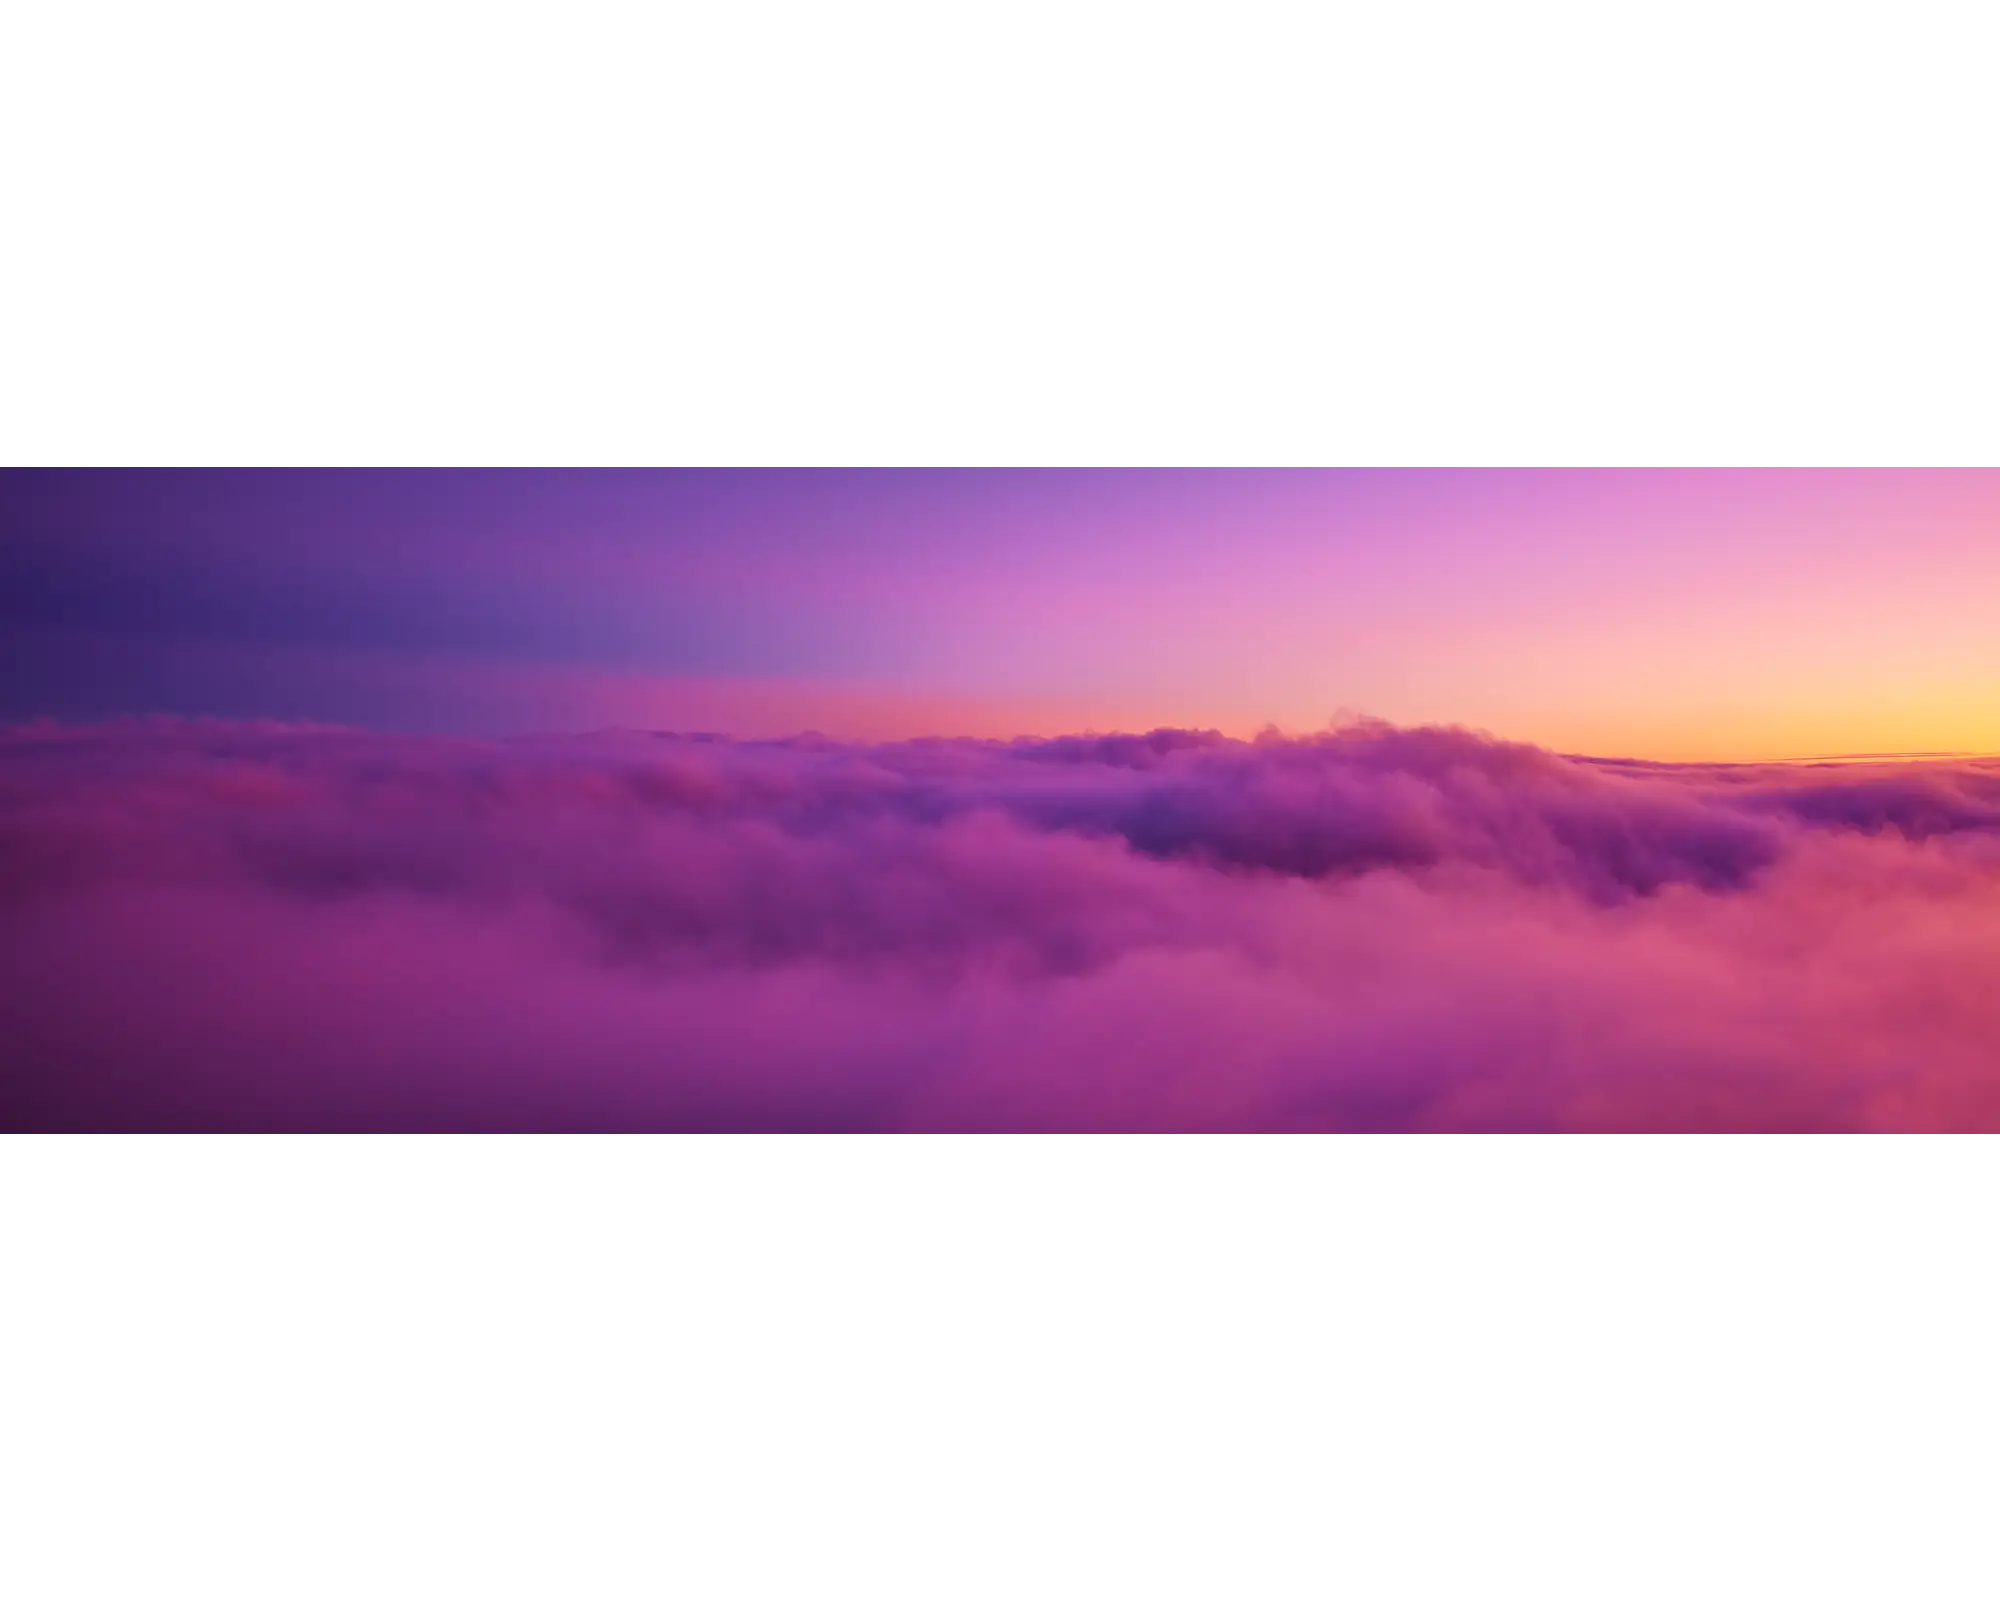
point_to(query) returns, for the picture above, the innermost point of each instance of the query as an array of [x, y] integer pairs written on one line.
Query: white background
[[1047, 232], [1032, 234], [999, 1367]]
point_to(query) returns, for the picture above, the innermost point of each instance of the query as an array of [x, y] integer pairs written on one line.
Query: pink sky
[[1695, 614]]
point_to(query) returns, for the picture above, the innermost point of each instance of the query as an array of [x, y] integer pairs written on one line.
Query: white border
[[910, 1367], [1094, 232]]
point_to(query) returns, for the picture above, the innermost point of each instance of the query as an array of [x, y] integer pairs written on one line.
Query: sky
[[1001, 801], [1681, 615]]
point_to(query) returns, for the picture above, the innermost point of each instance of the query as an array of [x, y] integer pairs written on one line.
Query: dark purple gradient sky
[[1696, 614]]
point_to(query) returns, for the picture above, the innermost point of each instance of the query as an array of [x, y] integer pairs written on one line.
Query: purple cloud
[[238, 926]]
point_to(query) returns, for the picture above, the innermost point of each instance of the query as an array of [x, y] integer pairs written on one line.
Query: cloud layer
[[231, 926]]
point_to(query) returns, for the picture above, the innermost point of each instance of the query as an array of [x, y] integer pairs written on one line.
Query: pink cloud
[[219, 926]]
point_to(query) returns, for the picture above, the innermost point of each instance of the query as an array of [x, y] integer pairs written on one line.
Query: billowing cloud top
[[224, 926]]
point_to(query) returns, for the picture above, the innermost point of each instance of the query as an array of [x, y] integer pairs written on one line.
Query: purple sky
[[1650, 613]]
